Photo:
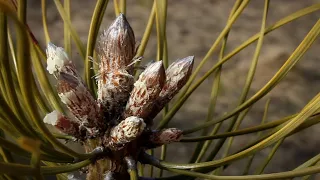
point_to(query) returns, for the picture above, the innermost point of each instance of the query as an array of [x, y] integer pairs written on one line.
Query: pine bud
[[146, 90], [63, 123], [177, 75], [165, 136], [72, 90], [116, 49], [80, 102], [125, 132]]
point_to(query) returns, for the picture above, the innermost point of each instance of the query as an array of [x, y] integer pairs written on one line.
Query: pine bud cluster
[[122, 115]]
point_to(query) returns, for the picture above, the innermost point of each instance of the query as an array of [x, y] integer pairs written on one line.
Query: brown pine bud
[[116, 46], [164, 136], [63, 123], [177, 75], [125, 132], [116, 49], [72, 90], [146, 90], [80, 102]]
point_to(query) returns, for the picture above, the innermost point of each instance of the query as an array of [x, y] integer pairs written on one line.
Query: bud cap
[[57, 58]]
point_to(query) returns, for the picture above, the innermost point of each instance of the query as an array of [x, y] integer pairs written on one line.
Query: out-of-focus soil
[[192, 27]]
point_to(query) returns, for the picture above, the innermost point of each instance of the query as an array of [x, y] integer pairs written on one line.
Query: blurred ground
[[192, 27]]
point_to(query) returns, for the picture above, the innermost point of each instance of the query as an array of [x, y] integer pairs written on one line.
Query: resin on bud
[[57, 58], [177, 75], [116, 49], [80, 102], [63, 123], [146, 90], [125, 132], [164, 136], [58, 61]]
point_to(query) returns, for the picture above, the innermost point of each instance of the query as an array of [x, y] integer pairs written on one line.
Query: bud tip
[[51, 118], [154, 68], [56, 58]]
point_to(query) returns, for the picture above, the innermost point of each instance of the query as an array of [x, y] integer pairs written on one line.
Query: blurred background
[[192, 27]]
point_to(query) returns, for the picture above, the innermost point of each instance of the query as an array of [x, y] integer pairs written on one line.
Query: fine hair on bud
[[116, 46]]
